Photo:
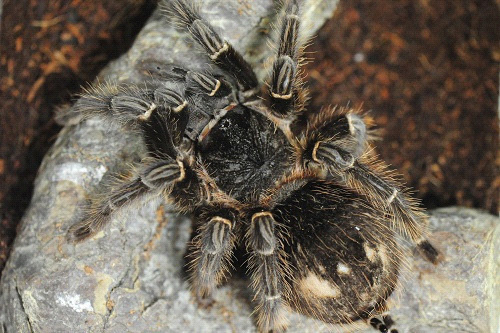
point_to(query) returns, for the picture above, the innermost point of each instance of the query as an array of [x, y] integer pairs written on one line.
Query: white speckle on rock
[[100, 171], [76, 172], [74, 302]]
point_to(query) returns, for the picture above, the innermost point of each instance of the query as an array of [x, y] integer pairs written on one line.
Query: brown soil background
[[428, 72]]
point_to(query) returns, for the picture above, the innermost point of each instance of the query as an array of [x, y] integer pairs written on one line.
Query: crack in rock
[[21, 302]]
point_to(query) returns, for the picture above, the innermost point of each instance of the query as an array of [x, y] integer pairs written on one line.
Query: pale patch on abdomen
[[370, 252], [318, 287], [343, 268]]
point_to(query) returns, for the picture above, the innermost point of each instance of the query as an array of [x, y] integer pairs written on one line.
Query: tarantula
[[319, 215]]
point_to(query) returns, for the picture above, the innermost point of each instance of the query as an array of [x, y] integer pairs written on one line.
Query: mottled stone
[[461, 293]]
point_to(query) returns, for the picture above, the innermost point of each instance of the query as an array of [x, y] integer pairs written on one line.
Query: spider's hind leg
[[212, 247], [220, 51], [383, 323], [383, 191], [336, 144], [267, 264]]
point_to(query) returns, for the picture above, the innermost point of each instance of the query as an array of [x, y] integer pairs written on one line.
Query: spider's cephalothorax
[[319, 216]]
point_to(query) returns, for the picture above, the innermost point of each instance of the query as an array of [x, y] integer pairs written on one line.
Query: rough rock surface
[[130, 276]]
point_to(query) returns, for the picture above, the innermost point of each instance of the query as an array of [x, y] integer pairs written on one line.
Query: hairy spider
[[319, 215]]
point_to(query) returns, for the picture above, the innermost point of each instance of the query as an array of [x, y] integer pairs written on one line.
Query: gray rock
[[461, 293], [130, 277]]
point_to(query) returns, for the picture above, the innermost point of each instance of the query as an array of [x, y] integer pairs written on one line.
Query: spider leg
[[167, 119], [208, 97], [154, 178], [267, 271], [211, 97], [335, 143], [212, 248], [220, 51], [378, 186], [161, 113], [343, 129], [286, 92], [194, 82], [128, 105], [407, 217], [383, 323]]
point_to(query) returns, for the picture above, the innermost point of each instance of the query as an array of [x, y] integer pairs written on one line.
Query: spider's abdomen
[[245, 153], [345, 257]]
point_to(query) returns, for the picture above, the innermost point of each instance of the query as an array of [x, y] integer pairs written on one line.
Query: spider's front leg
[[160, 113], [287, 96], [128, 104], [336, 146], [267, 264], [220, 51], [154, 178]]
